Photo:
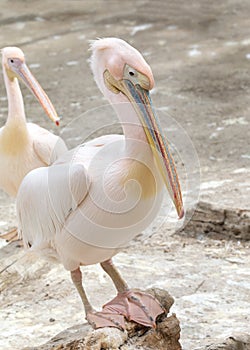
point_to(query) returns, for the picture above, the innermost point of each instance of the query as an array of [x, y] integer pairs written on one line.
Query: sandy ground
[[200, 54]]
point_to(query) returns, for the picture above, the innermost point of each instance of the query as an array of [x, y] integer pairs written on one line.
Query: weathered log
[[83, 337], [218, 222]]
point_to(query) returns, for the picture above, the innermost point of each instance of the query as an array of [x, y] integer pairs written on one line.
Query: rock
[[237, 342], [83, 337]]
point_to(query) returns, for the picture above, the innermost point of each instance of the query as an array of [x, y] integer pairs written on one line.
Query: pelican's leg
[[76, 277], [135, 305], [111, 270], [96, 319]]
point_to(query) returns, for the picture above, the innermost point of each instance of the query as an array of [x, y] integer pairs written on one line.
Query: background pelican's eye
[[15, 62], [131, 73]]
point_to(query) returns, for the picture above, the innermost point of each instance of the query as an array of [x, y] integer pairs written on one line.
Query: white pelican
[[23, 146], [85, 207]]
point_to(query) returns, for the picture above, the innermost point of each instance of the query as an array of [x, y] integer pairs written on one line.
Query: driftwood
[[165, 337], [217, 222], [83, 337]]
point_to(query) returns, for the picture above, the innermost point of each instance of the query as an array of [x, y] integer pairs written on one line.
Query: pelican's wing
[[45, 199], [48, 195], [47, 146]]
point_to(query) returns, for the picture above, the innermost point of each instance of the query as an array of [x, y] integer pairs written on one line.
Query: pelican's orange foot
[[105, 319], [136, 306], [10, 236]]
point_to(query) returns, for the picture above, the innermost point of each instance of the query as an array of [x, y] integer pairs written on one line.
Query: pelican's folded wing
[[45, 199], [68, 185], [47, 146]]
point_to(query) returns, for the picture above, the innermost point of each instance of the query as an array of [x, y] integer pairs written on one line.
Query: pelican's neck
[[16, 114], [15, 137], [140, 165], [132, 127]]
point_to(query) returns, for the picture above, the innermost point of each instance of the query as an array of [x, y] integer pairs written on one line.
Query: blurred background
[[199, 52]]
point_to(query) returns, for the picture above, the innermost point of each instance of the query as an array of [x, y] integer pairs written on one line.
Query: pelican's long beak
[[141, 101], [30, 81], [145, 111]]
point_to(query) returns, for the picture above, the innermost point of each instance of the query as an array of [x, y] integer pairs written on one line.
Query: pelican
[[94, 199], [23, 146]]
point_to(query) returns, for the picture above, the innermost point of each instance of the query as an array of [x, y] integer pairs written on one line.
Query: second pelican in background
[[24, 146]]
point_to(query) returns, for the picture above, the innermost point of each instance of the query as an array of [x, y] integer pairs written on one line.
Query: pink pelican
[[85, 207], [23, 146]]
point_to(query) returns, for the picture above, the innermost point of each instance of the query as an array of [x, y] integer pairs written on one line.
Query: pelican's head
[[14, 65], [121, 69], [9, 56]]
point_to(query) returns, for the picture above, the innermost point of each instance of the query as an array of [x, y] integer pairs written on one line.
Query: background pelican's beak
[[30, 81], [143, 105]]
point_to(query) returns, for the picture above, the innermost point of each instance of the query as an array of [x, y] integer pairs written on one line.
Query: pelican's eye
[[136, 77], [15, 62], [131, 72]]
